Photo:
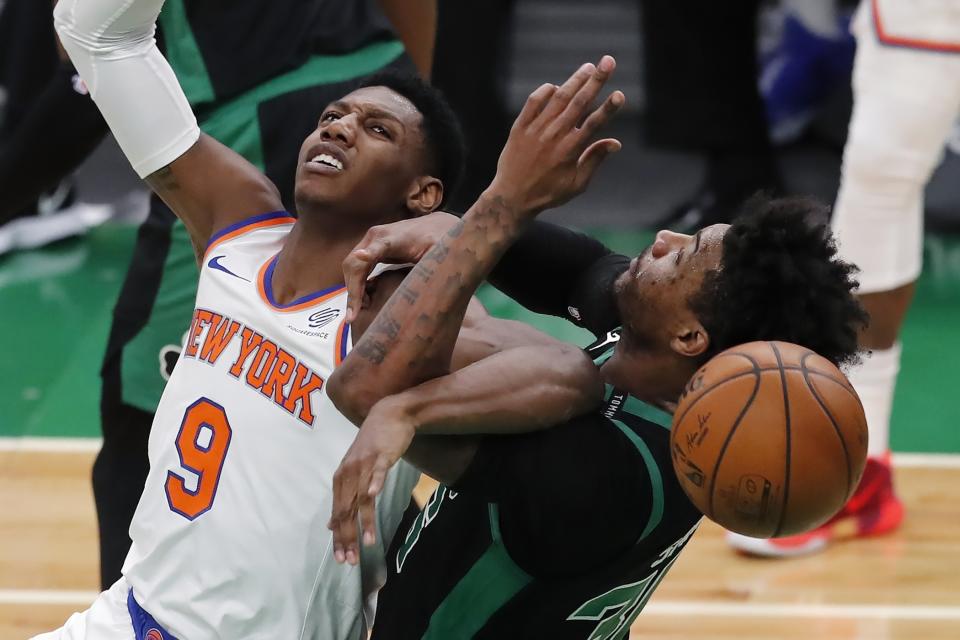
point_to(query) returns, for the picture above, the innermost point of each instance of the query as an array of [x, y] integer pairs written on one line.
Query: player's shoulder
[[276, 221]]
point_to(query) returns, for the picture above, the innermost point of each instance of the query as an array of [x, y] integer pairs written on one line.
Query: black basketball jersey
[[221, 48], [559, 534]]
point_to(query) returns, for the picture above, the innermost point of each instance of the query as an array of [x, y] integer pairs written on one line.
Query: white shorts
[[906, 101], [106, 619]]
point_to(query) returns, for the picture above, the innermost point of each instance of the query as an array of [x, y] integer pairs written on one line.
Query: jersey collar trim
[[252, 223], [265, 288], [619, 401]]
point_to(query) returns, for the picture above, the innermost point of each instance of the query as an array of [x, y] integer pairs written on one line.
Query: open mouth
[[327, 160]]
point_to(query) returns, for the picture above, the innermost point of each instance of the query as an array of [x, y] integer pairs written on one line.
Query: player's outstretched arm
[[550, 269], [111, 44]]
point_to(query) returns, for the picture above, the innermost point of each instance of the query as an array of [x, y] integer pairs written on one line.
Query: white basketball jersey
[[230, 536]]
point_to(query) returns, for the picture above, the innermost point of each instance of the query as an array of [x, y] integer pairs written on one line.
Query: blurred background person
[[700, 83], [47, 126], [471, 67]]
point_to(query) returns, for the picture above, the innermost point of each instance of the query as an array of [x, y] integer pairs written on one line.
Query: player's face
[[652, 294], [366, 152]]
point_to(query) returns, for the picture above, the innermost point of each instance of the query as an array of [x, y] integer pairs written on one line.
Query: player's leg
[[119, 473], [106, 619], [905, 104]]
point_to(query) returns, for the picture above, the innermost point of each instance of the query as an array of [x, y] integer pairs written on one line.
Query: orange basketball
[[769, 439]]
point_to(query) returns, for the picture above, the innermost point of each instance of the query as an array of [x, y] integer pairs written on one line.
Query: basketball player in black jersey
[[565, 532]]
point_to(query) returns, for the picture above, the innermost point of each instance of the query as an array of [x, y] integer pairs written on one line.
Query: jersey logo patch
[[214, 263], [323, 317], [423, 520]]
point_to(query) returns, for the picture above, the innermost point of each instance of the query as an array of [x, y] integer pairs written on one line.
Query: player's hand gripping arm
[[111, 44]]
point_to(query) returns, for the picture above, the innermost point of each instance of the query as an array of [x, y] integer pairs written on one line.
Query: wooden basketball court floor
[[904, 586]]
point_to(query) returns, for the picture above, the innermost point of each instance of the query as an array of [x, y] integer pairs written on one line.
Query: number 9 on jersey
[[202, 444]]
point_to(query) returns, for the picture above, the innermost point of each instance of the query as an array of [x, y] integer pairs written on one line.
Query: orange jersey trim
[[253, 223], [265, 289], [910, 43]]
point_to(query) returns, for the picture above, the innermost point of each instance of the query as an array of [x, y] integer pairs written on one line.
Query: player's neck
[[655, 378], [311, 260]]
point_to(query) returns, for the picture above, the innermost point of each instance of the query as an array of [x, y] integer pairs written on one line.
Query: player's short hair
[[441, 127], [780, 279]]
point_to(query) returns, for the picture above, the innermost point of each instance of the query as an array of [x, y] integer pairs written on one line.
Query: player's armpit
[[211, 186]]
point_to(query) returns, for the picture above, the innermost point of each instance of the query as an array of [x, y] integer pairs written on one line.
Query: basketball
[[769, 439]]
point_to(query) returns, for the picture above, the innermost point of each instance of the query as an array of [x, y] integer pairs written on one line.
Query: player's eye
[[329, 116], [380, 131], [679, 256]]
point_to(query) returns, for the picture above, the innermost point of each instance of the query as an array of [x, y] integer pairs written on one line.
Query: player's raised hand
[[383, 438], [401, 242], [550, 155]]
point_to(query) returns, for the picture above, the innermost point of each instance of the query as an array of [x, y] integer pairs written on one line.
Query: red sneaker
[[873, 509]]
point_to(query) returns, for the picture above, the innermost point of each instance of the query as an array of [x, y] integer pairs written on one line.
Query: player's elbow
[[91, 28], [350, 396]]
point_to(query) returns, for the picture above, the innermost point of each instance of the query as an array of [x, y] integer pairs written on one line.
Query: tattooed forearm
[[370, 350], [413, 335]]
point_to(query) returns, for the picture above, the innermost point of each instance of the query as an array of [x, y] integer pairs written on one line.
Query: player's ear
[[690, 339], [425, 195]]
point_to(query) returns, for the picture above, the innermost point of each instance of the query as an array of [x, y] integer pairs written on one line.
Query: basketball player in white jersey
[[906, 83], [230, 538]]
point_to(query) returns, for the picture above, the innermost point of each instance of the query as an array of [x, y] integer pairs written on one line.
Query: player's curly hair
[[441, 127], [780, 279]]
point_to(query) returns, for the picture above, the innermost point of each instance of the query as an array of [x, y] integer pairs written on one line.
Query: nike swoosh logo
[[215, 264]]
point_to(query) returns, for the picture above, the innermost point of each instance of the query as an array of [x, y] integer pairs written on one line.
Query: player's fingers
[[581, 101], [377, 479], [344, 508], [592, 158], [368, 520], [348, 536], [601, 115], [347, 533], [535, 103], [356, 269], [562, 96]]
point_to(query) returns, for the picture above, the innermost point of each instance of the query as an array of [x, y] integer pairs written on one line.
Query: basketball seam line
[[833, 422], [753, 372], [786, 424], [753, 394]]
